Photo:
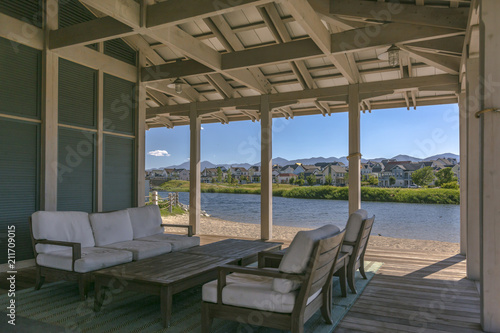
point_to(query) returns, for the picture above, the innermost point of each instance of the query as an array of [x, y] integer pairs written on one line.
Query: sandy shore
[[215, 226]]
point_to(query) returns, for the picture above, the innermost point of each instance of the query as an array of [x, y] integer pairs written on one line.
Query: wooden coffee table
[[171, 273]]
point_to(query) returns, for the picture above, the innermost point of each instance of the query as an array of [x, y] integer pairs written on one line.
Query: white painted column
[[140, 140], [50, 72], [266, 189], [99, 147], [354, 150], [462, 103], [473, 169], [194, 169], [490, 165]]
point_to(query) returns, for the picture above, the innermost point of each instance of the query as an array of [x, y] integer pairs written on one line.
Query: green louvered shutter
[[118, 183], [72, 12], [26, 10], [76, 170], [77, 94], [20, 79], [119, 105], [19, 179], [120, 50]]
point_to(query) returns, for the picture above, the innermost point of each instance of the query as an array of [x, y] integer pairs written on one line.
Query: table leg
[[99, 294], [166, 305], [343, 278]]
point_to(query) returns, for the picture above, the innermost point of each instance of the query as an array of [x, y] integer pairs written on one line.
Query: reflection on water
[[400, 220]]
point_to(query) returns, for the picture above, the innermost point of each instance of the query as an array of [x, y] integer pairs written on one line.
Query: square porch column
[[354, 150], [489, 194], [194, 170], [463, 118], [266, 184]]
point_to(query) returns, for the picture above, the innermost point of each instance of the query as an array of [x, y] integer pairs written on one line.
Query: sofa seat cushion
[[61, 226], [145, 220], [93, 258], [110, 228], [142, 250], [347, 249], [254, 292], [178, 242]]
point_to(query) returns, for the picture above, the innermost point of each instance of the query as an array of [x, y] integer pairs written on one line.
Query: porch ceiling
[[303, 53]]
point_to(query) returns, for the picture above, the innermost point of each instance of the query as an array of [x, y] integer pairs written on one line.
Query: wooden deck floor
[[412, 292]]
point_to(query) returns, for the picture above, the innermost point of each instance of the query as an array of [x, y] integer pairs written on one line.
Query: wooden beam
[[305, 15], [18, 31], [354, 150], [158, 97], [188, 93], [324, 94], [452, 45], [450, 65], [97, 60], [455, 18], [322, 8], [94, 31], [220, 84], [194, 170], [125, 11], [177, 12], [386, 35], [266, 191]]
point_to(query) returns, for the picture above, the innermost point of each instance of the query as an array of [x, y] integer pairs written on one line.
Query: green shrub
[[451, 185]]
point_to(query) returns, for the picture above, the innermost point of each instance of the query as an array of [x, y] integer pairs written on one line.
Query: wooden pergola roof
[[304, 54]]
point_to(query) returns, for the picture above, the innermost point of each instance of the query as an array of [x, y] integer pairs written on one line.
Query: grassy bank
[[421, 195]]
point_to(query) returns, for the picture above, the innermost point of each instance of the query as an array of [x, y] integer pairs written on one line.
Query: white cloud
[[159, 153], [202, 128]]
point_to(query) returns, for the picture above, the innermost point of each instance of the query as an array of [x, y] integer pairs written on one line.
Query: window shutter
[[118, 183], [19, 176], [119, 105]]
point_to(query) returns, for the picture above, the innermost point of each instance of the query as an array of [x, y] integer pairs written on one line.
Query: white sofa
[[71, 245]]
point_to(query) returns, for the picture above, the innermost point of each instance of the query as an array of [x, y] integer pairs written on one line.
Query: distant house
[[208, 174], [183, 174], [337, 172], [402, 174], [296, 168], [254, 173], [284, 178], [168, 173]]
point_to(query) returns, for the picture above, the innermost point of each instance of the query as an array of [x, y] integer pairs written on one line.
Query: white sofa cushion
[[178, 242], [93, 258], [255, 292], [141, 250], [145, 220], [354, 224], [61, 226], [298, 253], [111, 228]]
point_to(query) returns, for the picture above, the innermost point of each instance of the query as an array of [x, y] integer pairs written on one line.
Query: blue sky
[[384, 133]]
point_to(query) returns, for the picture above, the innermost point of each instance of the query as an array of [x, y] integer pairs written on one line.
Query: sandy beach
[[215, 226]]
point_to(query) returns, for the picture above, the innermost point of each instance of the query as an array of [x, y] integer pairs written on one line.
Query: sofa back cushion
[[61, 226], [298, 253], [354, 224], [145, 220], [111, 227]]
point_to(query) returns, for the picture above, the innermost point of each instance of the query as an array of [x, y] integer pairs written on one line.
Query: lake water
[[400, 220]]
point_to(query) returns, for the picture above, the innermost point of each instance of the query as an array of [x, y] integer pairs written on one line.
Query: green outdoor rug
[[59, 304]]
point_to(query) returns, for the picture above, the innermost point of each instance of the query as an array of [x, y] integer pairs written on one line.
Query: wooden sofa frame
[[84, 279], [317, 276]]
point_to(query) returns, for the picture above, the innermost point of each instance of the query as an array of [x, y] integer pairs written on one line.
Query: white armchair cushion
[[253, 292], [145, 220], [61, 226], [298, 254], [354, 224], [178, 242], [93, 258], [111, 228], [141, 250]]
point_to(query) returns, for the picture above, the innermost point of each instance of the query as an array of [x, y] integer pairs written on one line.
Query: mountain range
[[313, 160]]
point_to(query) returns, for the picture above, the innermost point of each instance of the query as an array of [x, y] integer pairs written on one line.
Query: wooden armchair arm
[[188, 227], [225, 269], [273, 256], [77, 248]]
